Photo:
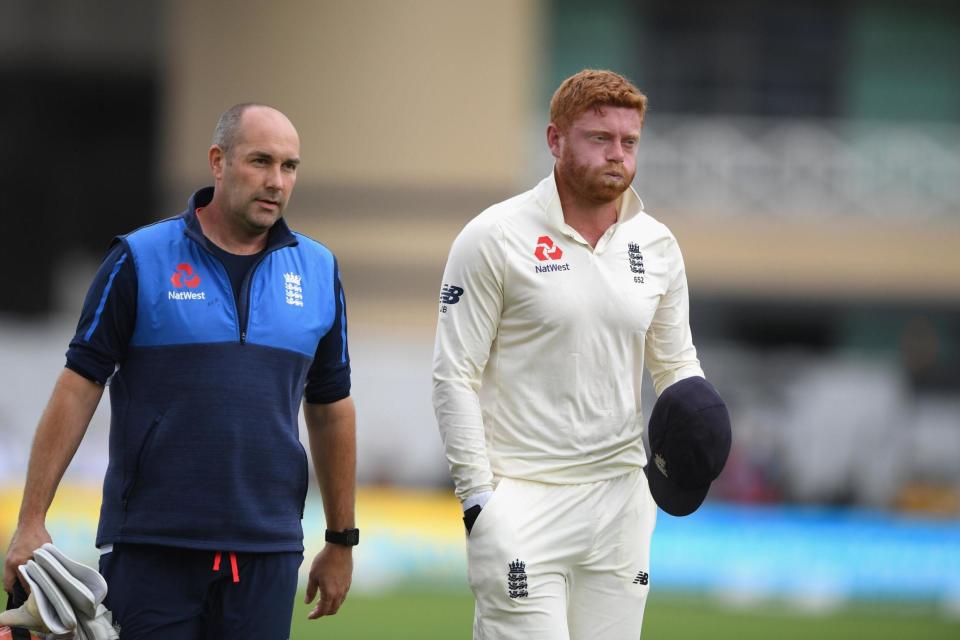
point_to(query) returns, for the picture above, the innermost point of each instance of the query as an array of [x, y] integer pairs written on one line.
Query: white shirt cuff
[[477, 499]]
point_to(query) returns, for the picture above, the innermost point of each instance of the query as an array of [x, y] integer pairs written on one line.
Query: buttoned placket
[[555, 213]]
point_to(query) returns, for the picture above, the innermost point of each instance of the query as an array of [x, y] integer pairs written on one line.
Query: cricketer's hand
[[26, 539], [331, 574]]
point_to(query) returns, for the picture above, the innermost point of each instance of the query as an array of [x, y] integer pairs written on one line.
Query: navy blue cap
[[689, 444]]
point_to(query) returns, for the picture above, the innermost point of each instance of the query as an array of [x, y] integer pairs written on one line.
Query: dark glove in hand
[[14, 600], [470, 516]]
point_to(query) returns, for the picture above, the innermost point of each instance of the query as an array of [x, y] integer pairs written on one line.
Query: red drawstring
[[233, 565]]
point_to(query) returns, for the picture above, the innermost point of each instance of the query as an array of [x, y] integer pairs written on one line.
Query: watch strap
[[347, 537]]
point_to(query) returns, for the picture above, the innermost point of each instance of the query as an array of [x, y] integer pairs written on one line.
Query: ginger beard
[[596, 185]]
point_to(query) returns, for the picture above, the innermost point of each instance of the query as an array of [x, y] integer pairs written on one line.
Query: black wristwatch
[[347, 537]]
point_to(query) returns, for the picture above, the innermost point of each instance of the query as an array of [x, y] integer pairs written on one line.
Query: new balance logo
[[450, 294], [642, 578], [517, 579]]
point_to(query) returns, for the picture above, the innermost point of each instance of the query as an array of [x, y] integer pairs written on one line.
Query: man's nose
[[615, 152], [275, 177]]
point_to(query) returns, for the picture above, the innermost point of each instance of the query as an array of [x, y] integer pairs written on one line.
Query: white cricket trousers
[[562, 562]]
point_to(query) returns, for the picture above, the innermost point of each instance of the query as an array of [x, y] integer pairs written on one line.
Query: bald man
[[210, 328]]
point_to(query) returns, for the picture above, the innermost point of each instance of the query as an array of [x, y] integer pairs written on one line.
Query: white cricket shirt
[[541, 342]]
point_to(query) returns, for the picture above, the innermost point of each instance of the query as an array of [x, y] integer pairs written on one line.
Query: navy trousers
[[184, 594]]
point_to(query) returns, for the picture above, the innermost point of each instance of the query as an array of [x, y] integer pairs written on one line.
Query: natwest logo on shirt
[[546, 250], [184, 276]]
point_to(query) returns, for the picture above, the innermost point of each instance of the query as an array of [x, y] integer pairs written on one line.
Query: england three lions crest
[[293, 289], [517, 579], [635, 258]]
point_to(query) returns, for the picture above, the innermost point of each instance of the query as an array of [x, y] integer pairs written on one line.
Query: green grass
[[669, 616], [418, 615], [393, 616]]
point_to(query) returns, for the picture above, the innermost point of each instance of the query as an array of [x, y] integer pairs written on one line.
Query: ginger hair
[[593, 88]]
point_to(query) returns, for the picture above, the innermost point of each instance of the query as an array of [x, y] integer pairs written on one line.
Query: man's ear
[[555, 140], [217, 159]]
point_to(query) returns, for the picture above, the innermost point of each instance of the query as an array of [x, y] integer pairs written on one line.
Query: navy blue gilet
[[204, 446]]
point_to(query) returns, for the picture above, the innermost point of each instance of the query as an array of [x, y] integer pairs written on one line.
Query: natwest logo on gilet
[[184, 276], [184, 270], [546, 250]]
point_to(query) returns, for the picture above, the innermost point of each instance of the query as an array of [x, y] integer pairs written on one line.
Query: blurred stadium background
[[805, 153]]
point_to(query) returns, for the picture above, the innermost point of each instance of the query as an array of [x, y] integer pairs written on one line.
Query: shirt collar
[[548, 196], [279, 235]]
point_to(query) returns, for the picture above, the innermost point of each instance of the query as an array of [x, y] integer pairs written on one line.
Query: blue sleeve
[[328, 379], [107, 319]]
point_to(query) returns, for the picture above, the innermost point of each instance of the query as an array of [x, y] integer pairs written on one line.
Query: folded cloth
[[55, 611], [82, 586], [65, 598]]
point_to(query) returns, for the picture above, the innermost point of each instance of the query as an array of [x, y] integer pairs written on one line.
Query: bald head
[[230, 127]]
